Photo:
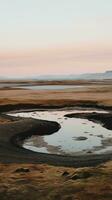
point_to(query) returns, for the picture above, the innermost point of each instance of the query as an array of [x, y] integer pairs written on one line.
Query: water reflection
[[52, 87], [76, 136]]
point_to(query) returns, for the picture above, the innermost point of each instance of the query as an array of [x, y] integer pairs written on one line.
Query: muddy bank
[[105, 119], [54, 105], [14, 130]]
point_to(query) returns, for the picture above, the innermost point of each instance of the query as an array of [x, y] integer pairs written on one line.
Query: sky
[[40, 37]]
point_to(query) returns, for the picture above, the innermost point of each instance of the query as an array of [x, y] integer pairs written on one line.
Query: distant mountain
[[87, 76], [96, 76]]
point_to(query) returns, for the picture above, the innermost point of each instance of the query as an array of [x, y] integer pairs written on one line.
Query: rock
[[81, 138], [101, 136], [22, 170], [89, 151], [65, 173], [81, 175], [65, 118]]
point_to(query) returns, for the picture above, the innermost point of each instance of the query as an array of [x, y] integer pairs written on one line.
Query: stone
[[22, 170], [81, 175], [65, 173], [81, 138]]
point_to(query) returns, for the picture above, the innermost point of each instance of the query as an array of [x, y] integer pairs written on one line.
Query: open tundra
[[25, 174]]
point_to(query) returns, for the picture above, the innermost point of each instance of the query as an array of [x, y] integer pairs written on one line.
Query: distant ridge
[[86, 76]]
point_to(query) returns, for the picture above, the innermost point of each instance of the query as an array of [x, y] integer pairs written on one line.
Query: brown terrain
[[32, 176]]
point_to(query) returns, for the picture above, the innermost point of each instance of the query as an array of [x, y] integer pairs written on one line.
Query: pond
[[76, 136], [51, 87]]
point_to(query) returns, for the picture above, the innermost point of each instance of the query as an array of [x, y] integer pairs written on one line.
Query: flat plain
[[22, 178]]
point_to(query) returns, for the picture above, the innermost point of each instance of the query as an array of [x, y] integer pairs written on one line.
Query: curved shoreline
[[105, 119], [12, 133]]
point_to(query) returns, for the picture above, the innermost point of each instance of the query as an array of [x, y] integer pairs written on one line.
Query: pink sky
[[63, 60], [55, 37]]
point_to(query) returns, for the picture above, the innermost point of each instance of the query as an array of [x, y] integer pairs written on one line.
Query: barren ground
[[47, 182]]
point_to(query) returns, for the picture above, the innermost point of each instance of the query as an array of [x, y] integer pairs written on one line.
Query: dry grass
[[45, 182], [102, 95], [100, 91]]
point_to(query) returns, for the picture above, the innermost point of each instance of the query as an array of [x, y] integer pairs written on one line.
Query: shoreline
[[104, 119], [12, 152], [29, 106]]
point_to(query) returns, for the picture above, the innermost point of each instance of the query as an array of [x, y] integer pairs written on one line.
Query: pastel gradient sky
[[55, 37]]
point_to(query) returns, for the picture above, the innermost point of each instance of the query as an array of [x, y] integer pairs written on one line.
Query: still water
[[51, 87], [76, 136]]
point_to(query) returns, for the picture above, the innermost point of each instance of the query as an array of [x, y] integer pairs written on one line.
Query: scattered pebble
[[81, 138], [89, 151], [22, 170], [101, 136], [65, 173], [81, 175]]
